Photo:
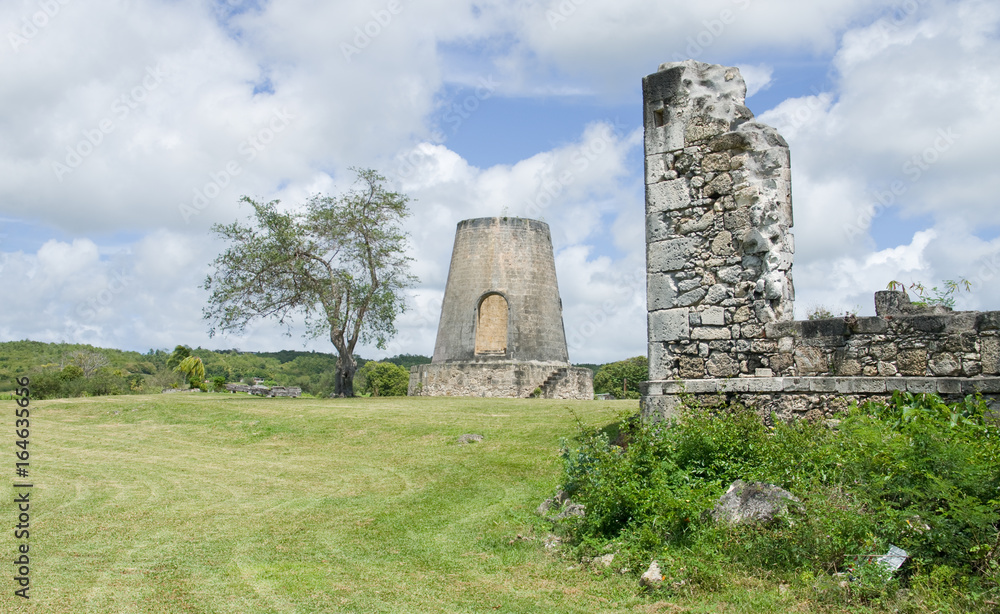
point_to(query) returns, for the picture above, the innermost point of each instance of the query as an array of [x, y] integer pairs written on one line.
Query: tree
[[383, 379], [180, 353], [193, 370], [89, 361], [340, 263], [621, 379]]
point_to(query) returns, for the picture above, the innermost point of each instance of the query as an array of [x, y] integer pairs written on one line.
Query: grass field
[[222, 503]]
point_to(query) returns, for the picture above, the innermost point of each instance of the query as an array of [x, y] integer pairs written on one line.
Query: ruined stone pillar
[[718, 225]]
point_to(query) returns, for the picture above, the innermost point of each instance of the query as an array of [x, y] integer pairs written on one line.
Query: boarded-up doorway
[[491, 325]]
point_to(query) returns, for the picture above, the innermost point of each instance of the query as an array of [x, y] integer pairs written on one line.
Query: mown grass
[[235, 504], [219, 503]]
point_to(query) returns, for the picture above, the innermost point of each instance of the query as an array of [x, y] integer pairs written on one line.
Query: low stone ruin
[[719, 254], [264, 391]]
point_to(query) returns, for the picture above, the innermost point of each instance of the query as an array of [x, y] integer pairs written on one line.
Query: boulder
[[556, 501], [751, 502], [653, 576]]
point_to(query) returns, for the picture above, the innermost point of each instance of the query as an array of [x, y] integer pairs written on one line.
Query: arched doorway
[[491, 325]]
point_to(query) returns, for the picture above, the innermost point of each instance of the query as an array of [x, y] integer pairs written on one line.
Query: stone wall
[[790, 398], [718, 220], [553, 380], [719, 276]]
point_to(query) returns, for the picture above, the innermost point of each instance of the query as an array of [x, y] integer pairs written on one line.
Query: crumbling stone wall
[[718, 223], [903, 340], [719, 276]]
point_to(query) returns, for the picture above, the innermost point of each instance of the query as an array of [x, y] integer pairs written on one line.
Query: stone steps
[[551, 382]]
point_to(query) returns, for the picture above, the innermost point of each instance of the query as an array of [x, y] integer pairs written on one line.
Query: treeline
[[60, 370], [70, 370]]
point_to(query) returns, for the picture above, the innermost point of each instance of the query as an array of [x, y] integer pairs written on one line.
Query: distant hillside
[[69, 370]]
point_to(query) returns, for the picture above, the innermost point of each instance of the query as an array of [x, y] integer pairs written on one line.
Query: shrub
[[382, 379], [916, 473]]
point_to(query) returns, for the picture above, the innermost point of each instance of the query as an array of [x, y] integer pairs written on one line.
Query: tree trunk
[[344, 383]]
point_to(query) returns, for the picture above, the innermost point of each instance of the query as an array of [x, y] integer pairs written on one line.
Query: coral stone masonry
[[501, 332], [719, 252]]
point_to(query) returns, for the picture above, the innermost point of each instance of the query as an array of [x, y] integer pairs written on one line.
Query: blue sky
[[118, 114]]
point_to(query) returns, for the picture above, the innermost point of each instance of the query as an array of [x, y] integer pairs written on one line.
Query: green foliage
[[621, 379], [193, 370], [934, 297], [819, 312], [218, 383], [916, 473], [70, 372], [180, 354], [340, 264], [382, 379]]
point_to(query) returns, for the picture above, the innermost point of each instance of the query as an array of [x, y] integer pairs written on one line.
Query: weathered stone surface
[[716, 294], [652, 578], [571, 510], [493, 379], [691, 298], [552, 502], [711, 333], [810, 361], [692, 367], [669, 325], [713, 316], [754, 502], [661, 293], [668, 195], [720, 186], [990, 355], [989, 320], [944, 365], [912, 362], [671, 255], [721, 365], [891, 303], [697, 225]]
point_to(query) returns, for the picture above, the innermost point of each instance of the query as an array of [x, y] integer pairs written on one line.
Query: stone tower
[[501, 330]]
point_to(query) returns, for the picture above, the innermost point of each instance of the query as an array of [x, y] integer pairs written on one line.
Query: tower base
[[502, 379]]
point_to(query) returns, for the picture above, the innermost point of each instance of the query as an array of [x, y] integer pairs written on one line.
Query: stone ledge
[[842, 385]]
